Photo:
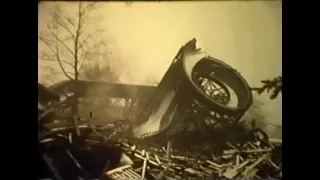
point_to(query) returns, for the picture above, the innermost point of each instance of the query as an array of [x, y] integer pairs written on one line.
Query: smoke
[[258, 113]]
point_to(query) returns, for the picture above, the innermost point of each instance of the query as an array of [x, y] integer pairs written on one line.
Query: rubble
[[249, 162], [153, 162], [199, 136]]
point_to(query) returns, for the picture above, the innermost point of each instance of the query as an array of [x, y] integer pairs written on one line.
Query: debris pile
[[199, 134], [256, 159]]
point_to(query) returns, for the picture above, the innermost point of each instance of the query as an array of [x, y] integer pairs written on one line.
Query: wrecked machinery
[[188, 127]]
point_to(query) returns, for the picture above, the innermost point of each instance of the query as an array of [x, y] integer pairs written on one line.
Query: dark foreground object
[[62, 159]]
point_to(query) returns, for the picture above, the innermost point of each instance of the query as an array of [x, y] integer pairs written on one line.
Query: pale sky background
[[145, 36]]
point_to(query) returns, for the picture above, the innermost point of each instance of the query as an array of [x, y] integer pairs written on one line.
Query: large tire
[[227, 75]]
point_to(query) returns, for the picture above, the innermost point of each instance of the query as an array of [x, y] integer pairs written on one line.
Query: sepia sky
[[145, 36]]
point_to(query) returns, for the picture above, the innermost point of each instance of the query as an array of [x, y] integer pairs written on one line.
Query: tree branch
[[61, 42], [56, 53], [60, 64], [80, 66], [275, 85], [62, 61], [86, 9], [47, 44], [85, 53], [76, 43], [59, 19], [92, 48], [88, 36], [80, 49]]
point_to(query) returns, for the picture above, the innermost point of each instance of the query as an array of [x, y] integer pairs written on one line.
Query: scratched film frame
[[160, 90]]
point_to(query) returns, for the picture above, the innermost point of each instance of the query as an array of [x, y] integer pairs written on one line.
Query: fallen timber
[[218, 146], [151, 161]]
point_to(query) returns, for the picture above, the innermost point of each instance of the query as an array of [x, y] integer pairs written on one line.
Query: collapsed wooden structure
[[199, 97]]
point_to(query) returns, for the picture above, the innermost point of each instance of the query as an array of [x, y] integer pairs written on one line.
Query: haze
[[145, 36]]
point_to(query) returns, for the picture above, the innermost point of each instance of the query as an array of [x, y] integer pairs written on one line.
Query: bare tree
[[68, 41]]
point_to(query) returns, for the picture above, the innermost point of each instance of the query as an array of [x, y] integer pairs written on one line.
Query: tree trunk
[[75, 100]]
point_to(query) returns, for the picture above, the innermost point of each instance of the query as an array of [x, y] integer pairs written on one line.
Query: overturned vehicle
[[188, 127]]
